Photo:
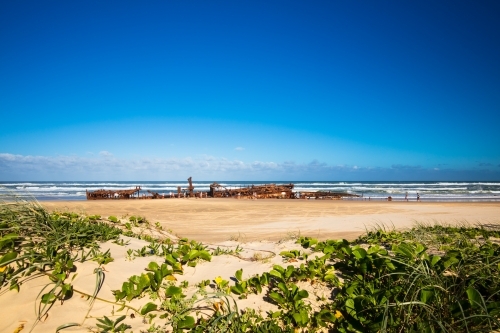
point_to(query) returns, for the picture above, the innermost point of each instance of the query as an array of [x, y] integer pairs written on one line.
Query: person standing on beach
[[418, 197], [406, 196]]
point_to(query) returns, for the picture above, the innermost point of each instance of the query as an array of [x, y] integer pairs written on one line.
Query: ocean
[[378, 190]]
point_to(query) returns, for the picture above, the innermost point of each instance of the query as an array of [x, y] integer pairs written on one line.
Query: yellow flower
[[218, 279], [2, 269], [338, 314]]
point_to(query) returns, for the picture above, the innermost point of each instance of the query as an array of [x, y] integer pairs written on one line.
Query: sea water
[[428, 191]]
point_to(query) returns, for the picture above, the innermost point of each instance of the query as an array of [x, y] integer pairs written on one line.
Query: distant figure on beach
[[406, 196], [116, 195], [418, 197]]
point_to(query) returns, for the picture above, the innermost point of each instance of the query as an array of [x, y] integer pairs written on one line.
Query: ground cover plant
[[431, 278]]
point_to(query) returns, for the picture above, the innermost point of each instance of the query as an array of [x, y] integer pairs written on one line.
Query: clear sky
[[250, 90]]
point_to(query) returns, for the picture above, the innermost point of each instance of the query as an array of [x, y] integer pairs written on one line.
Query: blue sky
[[249, 90]]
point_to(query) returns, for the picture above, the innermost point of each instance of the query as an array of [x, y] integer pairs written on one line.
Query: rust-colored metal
[[156, 195], [113, 194], [284, 191], [190, 188], [266, 191]]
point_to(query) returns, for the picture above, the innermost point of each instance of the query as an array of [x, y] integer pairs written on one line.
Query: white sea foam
[[437, 191]]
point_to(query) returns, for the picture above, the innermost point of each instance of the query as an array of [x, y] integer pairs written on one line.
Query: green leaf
[[193, 254], [187, 322], [282, 286], [105, 328], [119, 319], [113, 219], [148, 308], [359, 253], [301, 318], [66, 291], [289, 271], [328, 249], [48, 298], [9, 238], [164, 270], [434, 260], [14, 286], [173, 291], [287, 254], [330, 277], [279, 269], [303, 294], [205, 255], [170, 259], [450, 262], [239, 274], [475, 298], [144, 281], [275, 274], [264, 279], [277, 298], [420, 248], [327, 316], [426, 295], [105, 321], [405, 250], [256, 283], [66, 326], [153, 266], [7, 258], [237, 289], [350, 307]]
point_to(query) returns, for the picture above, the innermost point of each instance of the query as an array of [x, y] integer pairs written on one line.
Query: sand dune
[[256, 225]]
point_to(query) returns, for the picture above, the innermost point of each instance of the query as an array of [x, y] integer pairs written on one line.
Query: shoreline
[[216, 220]]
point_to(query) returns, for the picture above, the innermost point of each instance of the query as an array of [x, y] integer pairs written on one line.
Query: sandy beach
[[216, 220], [261, 229]]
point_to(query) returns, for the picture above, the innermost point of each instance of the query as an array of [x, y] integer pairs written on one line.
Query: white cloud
[[105, 153], [239, 148], [90, 167], [109, 167]]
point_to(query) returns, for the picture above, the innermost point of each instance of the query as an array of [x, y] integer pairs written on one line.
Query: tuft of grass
[[291, 235], [236, 238], [36, 243]]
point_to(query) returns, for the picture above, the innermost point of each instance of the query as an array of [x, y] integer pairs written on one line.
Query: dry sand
[[257, 224], [215, 220]]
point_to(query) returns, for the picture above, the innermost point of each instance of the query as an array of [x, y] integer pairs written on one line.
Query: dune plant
[[35, 243], [430, 278]]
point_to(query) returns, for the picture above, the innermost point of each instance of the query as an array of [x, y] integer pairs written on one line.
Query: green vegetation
[[427, 279], [34, 242]]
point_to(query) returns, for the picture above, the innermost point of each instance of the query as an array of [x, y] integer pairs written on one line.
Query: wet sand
[[215, 220]]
